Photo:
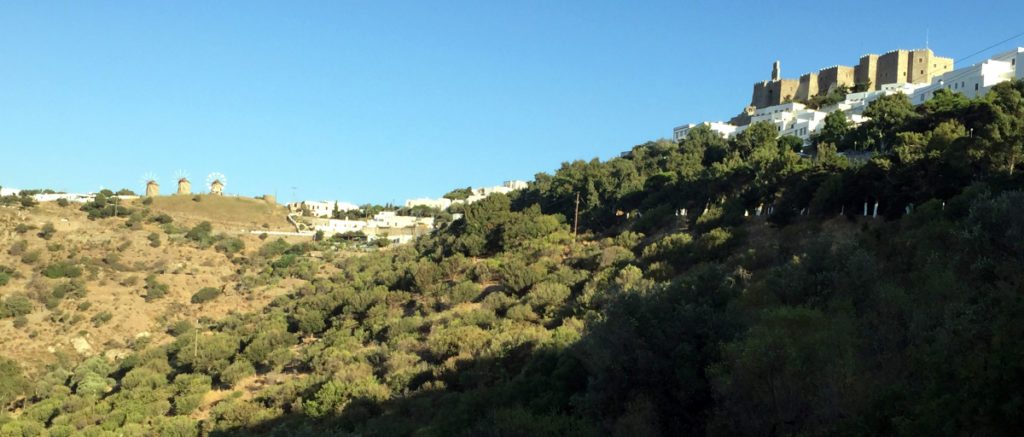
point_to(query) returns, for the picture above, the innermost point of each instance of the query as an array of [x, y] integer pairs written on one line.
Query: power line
[[989, 47]]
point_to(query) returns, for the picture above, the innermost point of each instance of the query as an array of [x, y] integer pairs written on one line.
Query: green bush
[[5, 275], [177, 426], [230, 245], [14, 306], [62, 269], [201, 234], [72, 289], [237, 371], [162, 219], [101, 318], [205, 294], [31, 257], [155, 289]]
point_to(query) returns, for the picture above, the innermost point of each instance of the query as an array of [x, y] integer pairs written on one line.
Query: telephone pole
[[576, 218], [195, 344]]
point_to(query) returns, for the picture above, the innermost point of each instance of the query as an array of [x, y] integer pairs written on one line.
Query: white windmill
[[184, 186], [216, 181], [152, 187]]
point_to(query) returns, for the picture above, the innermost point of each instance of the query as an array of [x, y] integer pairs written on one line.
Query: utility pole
[[195, 344], [576, 218]]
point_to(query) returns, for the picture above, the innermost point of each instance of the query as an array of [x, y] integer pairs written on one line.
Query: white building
[[321, 209], [976, 80], [336, 226], [515, 184], [390, 219], [726, 130], [72, 197], [9, 192], [795, 119], [441, 203], [505, 188], [856, 103]]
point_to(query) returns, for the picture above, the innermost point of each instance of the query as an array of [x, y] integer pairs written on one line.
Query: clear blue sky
[[380, 101]]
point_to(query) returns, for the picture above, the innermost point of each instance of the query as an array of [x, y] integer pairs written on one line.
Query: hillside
[[115, 261], [225, 212], [709, 287]]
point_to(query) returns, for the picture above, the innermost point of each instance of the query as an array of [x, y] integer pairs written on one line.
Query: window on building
[[975, 87]]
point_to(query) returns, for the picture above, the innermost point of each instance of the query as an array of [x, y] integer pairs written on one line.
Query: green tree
[[835, 129], [889, 115]]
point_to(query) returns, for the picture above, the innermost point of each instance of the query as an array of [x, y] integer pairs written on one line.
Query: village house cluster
[[916, 73], [329, 216]]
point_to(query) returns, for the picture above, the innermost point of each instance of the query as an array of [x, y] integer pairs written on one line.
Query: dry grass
[[181, 265], [225, 212]]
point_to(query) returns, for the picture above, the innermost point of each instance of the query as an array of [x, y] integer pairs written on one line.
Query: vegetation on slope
[[814, 320]]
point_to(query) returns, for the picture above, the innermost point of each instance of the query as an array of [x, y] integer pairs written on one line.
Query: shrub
[[237, 371], [201, 234], [154, 289], [205, 294], [177, 426], [22, 228], [101, 318], [162, 219], [547, 295], [154, 239], [464, 291], [62, 269], [180, 327], [274, 248], [18, 248], [14, 382], [14, 306], [74, 289], [20, 322], [31, 257], [190, 389], [5, 275], [230, 245], [62, 202]]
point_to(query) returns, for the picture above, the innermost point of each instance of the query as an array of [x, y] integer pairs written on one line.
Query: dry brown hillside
[[225, 212], [115, 260]]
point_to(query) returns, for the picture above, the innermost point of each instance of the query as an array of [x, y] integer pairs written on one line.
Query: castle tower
[[152, 188], [184, 186], [776, 71]]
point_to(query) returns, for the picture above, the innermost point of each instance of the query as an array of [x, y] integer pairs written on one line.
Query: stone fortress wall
[[894, 67]]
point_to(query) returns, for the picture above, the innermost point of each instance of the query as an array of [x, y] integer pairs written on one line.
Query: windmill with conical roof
[[216, 181], [152, 186], [184, 186]]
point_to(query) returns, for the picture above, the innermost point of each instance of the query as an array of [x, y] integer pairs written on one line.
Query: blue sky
[[380, 101]]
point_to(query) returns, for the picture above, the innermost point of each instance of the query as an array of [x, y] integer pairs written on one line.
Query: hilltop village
[[387, 224], [798, 107]]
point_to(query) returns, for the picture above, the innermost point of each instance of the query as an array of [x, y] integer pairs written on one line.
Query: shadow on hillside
[[625, 375], [483, 396]]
